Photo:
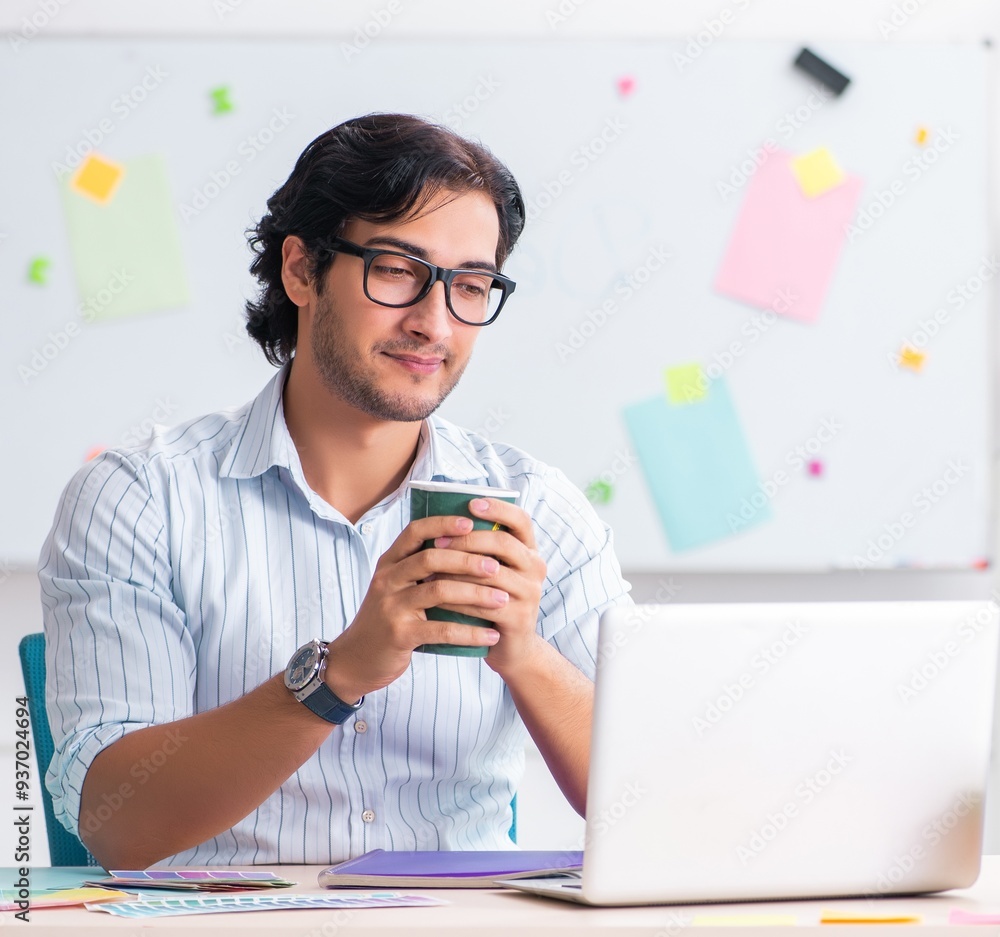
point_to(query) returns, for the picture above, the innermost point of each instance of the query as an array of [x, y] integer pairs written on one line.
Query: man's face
[[400, 364]]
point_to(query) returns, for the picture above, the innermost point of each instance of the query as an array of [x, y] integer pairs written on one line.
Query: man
[[182, 575]]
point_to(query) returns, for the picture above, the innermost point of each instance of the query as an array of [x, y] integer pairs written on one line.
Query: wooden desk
[[500, 913]]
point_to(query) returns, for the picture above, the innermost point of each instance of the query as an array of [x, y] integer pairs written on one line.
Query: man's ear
[[295, 271]]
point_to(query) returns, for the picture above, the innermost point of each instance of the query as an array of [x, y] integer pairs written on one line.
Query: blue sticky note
[[698, 467]]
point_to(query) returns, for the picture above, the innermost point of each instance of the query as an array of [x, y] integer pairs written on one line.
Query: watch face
[[302, 667]]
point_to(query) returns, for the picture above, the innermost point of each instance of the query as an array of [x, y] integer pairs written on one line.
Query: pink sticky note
[[626, 85], [958, 916], [816, 468], [785, 247]]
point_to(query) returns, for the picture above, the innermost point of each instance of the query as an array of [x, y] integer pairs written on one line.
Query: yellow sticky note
[[817, 172], [911, 358], [745, 920], [685, 384], [861, 917], [97, 178], [69, 897], [922, 135]]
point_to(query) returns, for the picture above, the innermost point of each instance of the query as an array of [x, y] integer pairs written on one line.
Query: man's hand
[[520, 575], [375, 649]]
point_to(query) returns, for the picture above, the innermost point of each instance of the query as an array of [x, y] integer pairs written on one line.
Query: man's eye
[[473, 288], [391, 271]]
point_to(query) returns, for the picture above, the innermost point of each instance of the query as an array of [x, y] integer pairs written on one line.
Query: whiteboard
[[612, 175]]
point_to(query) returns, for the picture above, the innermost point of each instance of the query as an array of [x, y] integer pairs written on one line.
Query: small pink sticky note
[[816, 468], [958, 916], [626, 85], [784, 249]]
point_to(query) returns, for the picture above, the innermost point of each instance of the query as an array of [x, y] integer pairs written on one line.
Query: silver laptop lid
[[790, 750]]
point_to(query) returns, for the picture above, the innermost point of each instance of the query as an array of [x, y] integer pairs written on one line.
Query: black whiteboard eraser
[[822, 71]]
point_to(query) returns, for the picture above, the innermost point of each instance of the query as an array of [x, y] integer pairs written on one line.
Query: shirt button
[[361, 726], [367, 527], [368, 816]]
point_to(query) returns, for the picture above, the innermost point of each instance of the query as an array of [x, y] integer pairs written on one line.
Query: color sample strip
[[169, 907]]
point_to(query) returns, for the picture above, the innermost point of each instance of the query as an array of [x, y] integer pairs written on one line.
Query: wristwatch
[[304, 677]]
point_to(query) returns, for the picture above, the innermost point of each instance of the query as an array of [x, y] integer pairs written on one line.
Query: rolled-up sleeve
[[583, 574], [118, 655]]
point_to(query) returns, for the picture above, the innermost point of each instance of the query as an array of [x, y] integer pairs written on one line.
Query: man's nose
[[430, 318]]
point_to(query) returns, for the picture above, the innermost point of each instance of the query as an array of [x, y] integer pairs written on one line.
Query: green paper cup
[[428, 499]]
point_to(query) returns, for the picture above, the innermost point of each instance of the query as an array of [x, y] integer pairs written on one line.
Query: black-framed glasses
[[397, 280]]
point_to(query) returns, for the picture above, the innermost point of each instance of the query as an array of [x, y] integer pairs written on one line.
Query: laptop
[[780, 751]]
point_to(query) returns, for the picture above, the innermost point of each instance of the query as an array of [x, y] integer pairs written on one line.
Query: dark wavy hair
[[377, 168]]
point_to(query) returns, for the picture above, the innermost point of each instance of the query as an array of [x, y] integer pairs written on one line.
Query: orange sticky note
[[817, 172], [911, 358], [861, 917], [97, 178]]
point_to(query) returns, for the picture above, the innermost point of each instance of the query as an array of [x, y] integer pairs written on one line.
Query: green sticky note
[[38, 270], [599, 491], [685, 384], [220, 100], [127, 251]]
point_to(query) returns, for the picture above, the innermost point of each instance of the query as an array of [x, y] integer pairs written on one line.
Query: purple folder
[[454, 869]]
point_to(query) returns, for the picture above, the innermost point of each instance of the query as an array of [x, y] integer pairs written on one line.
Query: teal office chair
[[64, 847]]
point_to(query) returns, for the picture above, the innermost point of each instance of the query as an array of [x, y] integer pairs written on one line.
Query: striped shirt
[[184, 572]]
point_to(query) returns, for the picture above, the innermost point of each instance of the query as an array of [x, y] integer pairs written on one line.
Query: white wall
[[545, 821]]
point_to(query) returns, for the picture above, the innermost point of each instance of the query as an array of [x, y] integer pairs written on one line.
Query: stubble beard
[[356, 384]]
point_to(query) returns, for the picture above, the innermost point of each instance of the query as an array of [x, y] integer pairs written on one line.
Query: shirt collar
[[262, 440], [444, 453], [448, 456]]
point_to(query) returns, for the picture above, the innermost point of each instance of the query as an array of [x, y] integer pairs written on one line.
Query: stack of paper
[[220, 879]]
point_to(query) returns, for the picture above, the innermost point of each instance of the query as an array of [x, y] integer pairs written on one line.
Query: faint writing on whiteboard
[[626, 287], [579, 161]]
